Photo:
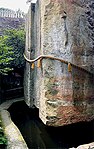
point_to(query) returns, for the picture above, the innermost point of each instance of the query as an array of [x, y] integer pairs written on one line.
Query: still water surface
[[39, 136]]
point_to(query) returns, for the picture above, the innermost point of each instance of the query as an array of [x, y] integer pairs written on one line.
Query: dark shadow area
[[11, 85], [39, 136], [2, 146]]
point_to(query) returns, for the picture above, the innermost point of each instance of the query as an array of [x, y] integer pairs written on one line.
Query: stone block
[[64, 29]]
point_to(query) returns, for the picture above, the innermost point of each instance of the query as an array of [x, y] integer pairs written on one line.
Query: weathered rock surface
[[15, 139], [64, 29], [85, 146]]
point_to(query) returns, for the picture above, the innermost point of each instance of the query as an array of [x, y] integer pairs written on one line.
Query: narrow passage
[[39, 136]]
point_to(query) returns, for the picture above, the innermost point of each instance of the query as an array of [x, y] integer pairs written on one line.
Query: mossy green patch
[[3, 139]]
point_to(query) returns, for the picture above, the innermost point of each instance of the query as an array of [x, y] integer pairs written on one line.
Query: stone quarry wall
[[27, 72], [29, 52], [63, 29], [37, 42]]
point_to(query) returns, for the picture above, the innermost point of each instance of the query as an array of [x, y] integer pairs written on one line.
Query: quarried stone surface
[[29, 52], [67, 97], [64, 29]]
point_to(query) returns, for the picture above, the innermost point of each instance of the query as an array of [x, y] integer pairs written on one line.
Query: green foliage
[[3, 139], [16, 40], [5, 55], [12, 45]]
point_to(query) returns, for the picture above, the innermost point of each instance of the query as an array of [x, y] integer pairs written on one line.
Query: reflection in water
[[39, 136]]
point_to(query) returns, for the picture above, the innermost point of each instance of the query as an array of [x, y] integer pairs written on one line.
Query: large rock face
[[27, 73], [64, 29]]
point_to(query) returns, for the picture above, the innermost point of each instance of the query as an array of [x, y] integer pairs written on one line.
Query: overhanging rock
[[62, 29]]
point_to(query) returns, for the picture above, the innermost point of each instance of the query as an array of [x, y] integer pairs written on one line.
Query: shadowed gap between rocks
[[39, 136]]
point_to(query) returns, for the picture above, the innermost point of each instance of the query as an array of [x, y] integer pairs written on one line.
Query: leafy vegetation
[[5, 55], [12, 45], [3, 139]]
